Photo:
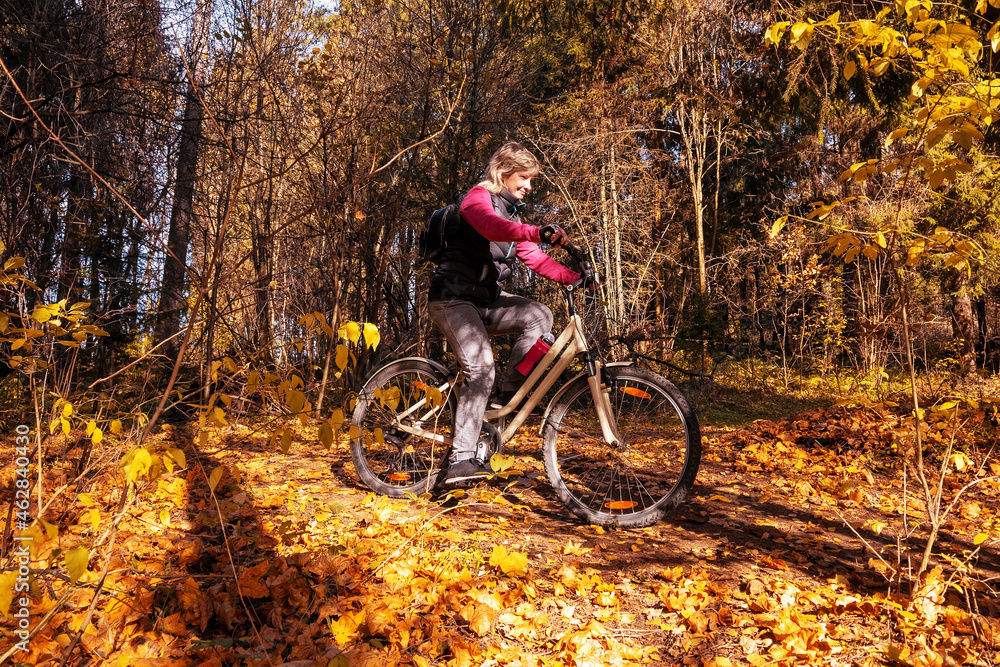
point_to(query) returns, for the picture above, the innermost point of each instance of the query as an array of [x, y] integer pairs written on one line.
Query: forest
[[209, 224]]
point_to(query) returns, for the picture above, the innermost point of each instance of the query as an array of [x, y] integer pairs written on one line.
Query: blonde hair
[[509, 158]]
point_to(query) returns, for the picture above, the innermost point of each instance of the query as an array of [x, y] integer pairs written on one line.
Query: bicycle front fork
[[602, 401]]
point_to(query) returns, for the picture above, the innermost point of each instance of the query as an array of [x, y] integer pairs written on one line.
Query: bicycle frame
[[570, 343]]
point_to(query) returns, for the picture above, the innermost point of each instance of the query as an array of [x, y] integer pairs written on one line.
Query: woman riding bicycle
[[467, 302]]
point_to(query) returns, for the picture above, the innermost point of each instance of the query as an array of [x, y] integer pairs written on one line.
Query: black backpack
[[442, 226]]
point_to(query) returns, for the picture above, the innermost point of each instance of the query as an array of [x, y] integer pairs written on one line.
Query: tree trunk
[[172, 294], [619, 305], [692, 124], [964, 323], [982, 323]]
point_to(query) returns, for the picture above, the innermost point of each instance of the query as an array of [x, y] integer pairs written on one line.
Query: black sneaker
[[468, 471], [502, 398]]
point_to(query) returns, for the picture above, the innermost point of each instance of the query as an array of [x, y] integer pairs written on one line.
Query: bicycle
[[621, 444]]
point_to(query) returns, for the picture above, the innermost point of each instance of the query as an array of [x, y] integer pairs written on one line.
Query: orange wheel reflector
[[420, 385], [632, 391], [620, 505], [400, 477]]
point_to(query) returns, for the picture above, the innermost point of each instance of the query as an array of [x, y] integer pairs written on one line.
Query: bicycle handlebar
[[587, 271]]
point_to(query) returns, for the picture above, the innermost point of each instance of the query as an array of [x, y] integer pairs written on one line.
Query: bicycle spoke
[[402, 425], [629, 482]]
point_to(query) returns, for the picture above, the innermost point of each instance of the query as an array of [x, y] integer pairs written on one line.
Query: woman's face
[[518, 183]]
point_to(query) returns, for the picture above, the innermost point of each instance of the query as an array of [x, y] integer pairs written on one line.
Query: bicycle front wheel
[[403, 414], [635, 482]]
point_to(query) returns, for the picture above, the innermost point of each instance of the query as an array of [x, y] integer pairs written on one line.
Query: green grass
[[725, 407]]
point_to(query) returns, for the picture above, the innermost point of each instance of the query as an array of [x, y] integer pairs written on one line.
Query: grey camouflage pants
[[468, 329]]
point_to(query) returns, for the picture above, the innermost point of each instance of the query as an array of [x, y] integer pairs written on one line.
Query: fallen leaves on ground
[[290, 563]]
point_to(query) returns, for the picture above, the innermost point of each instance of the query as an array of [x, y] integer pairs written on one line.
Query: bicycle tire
[[636, 483], [391, 461]]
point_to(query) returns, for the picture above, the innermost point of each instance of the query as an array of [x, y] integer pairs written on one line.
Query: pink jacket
[[477, 209]]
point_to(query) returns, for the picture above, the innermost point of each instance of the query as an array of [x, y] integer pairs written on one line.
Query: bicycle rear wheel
[[638, 481], [389, 458]]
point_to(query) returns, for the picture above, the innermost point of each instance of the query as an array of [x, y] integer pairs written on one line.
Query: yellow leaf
[[341, 357], [349, 331], [326, 435], [849, 69], [775, 32], [215, 477], [7, 581], [42, 314], [481, 619], [67, 410], [91, 425], [95, 518], [513, 564], [355, 432], [801, 35], [295, 400], [372, 336], [434, 397], [878, 527], [880, 239], [778, 225], [65, 427], [230, 365], [51, 529], [605, 598], [116, 426], [980, 538], [178, 456], [390, 398], [77, 559], [572, 548], [286, 441], [500, 462], [345, 629], [137, 464], [822, 210], [252, 380], [97, 436]]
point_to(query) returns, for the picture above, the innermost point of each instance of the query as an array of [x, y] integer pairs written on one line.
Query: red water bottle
[[536, 352]]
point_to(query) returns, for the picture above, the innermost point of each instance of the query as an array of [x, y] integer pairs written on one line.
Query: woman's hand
[[554, 235]]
